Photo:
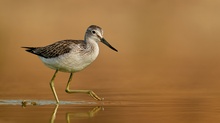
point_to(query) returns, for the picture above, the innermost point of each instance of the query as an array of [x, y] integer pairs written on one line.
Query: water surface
[[143, 107]]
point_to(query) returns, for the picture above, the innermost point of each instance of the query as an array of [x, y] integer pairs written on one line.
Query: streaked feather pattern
[[57, 49]]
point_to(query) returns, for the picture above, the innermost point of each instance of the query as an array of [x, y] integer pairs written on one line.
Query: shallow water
[[141, 107], [167, 68]]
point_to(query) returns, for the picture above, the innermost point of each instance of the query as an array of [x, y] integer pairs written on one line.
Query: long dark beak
[[107, 44]]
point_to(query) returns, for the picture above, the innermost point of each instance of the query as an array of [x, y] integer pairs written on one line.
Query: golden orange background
[[164, 46], [167, 68]]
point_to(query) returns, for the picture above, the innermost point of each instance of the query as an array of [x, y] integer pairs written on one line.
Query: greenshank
[[72, 56]]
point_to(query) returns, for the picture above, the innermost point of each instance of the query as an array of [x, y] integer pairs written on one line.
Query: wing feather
[[56, 49]]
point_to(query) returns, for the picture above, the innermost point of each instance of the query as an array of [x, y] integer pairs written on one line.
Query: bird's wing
[[55, 49]]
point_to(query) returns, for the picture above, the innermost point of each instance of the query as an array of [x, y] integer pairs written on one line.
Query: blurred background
[[164, 46]]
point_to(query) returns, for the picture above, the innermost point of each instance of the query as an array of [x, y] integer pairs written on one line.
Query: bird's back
[[56, 49]]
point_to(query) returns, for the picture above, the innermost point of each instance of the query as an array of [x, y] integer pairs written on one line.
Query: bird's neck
[[91, 43]]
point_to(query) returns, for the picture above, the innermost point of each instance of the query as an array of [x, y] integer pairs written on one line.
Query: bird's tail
[[30, 49]]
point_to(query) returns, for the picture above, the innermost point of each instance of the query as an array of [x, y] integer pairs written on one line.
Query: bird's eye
[[93, 32]]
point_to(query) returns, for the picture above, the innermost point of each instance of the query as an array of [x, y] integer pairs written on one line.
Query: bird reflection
[[53, 117], [69, 115], [83, 115], [72, 115]]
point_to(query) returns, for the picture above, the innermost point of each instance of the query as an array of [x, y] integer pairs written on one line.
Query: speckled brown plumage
[[55, 49]]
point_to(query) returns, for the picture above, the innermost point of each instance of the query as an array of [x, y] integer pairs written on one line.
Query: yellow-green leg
[[90, 92], [52, 86]]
